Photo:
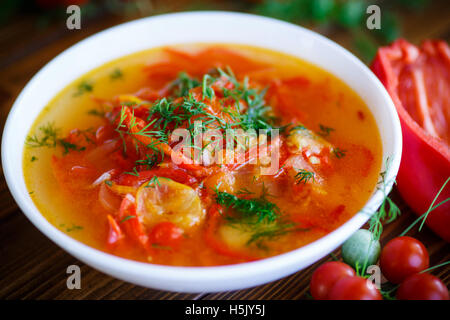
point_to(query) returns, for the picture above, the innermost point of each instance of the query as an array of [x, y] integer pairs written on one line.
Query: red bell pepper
[[418, 80]]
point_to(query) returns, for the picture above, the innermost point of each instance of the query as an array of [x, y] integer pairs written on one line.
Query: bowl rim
[[199, 279]]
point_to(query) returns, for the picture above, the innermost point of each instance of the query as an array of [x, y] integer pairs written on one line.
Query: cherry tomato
[[354, 288], [166, 234], [402, 257], [422, 286], [324, 278]]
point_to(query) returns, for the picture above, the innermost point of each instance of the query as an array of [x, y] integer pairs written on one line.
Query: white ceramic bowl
[[197, 27]]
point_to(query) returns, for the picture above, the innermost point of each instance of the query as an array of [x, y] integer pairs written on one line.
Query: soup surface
[[199, 155]]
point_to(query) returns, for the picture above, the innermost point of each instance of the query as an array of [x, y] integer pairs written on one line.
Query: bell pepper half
[[418, 81]]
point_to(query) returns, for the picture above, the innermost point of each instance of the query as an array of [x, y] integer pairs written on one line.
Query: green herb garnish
[[339, 153], [68, 146], [116, 74], [153, 182], [83, 87], [181, 86], [95, 112], [74, 227], [303, 176], [127, 218], [47, 138], [260, 217], [324, 130]]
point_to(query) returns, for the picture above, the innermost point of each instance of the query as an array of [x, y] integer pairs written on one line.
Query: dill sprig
[[153, 182], [193, 114], [158, 136], [68, 146], [256, 207], [127, 218], [324, 130], [207, 90], [271, 231], [339, 153], [149, 162], [95, 112], [388, 210], [257, 115], [116, 74], [303, 176], [181, 86], [48, 137], [259, 216], [432, 206], [134, 172], [83, 87]]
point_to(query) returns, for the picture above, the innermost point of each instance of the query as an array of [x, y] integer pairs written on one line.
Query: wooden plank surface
[[32, 267]]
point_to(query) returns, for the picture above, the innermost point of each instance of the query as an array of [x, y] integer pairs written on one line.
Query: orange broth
[[327, 171]]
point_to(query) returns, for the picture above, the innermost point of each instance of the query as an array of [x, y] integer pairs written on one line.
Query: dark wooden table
[[32, 267]]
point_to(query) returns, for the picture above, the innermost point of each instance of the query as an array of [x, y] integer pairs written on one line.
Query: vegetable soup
[[202, 154]]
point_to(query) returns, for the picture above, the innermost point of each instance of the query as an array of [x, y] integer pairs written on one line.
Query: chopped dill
[[258, 216], [207, 90], [83, 87], [116, 74], [324, 130], [303, 176], [33, 158], [158, 136], [74, 227], [153, 182], [48, 137], [257, 207], [127, 218], [133, 173], [149, 162], [244, 191], [181, 86], [257, 115], [167, 114], [68, 146], [272, 231], [339, 153], [108, 183], [95, 112]]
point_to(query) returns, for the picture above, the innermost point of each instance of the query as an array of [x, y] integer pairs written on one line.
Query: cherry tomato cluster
[[337, 281], [403, 261]]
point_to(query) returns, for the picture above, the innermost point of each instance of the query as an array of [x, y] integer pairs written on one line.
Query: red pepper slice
[[418, 81], [114, 232], [130, 223]]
